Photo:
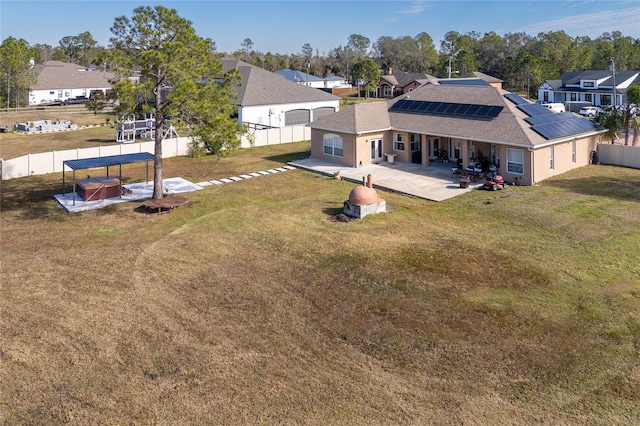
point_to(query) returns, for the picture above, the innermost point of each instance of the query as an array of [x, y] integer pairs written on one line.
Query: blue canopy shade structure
[[108, 161], [112, 160]]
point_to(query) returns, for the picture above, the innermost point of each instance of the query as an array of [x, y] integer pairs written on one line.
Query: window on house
[[588, 97], [588, 84], [515, 161], [545, 97], [573, 151], [551, 151], [332, 144], [398, 144], [387, 91], [415, 142], [60, 94], [605, 100], [574, 96]]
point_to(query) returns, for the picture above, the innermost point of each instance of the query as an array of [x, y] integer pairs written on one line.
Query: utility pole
[[8, 87], [613, 73]]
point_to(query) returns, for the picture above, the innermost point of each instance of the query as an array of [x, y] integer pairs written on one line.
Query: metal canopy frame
[[108, 161]]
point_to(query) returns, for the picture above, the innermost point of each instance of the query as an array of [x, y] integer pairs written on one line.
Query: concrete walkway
[[435, 182], [139, 191]]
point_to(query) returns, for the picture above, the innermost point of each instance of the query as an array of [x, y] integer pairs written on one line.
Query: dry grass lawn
[[16, 144], [253, 306]]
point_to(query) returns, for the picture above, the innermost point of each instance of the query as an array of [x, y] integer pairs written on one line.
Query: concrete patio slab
[[434, 182]]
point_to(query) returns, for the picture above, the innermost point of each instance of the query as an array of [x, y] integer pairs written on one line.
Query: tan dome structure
[[363, 200], [363, 195]]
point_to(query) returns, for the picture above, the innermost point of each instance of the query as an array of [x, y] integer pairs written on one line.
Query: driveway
[[435, 182]]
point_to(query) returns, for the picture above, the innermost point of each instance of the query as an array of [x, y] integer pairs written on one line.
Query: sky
[[285, 26]]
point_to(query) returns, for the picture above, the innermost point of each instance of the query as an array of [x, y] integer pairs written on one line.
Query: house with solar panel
[[588, 88], [467, 124]]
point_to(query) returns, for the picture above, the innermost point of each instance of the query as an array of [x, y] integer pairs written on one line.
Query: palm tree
[[612, 120]]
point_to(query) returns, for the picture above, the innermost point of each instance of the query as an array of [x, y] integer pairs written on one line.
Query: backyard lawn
[[253, 305]]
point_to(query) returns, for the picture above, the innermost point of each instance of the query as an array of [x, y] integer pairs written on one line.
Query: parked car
[[555, 107], [76, 100], [591, 111]]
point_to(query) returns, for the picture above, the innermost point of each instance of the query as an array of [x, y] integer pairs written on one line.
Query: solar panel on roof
[[496, 110], [432, 107], [399, 104], [562, 128], [473, 109], [482, 111], [548, 118], [447, 108], [464, 82], [534, 109], [516, 99]]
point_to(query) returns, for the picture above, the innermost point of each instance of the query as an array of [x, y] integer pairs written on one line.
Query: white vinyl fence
[[51, 162], [619, 155]]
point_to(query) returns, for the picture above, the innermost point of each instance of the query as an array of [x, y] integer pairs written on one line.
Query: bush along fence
[[51, 162]]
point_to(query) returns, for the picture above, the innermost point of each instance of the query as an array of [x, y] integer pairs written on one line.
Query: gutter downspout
[[355, 151], [533, 163]]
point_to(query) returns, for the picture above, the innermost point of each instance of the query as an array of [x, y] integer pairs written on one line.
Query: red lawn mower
[[494, 182]]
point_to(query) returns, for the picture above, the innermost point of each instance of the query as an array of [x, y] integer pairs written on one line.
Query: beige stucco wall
[[317, 150], [356, 149], [562, 158]]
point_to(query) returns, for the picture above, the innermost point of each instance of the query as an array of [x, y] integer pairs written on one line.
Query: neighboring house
[[267, 100], [61, 81], [595, 88], [305, 79], [458, 123], [395, 84]]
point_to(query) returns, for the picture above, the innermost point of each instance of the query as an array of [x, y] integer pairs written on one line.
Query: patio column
[[424, 148], [465, 153]]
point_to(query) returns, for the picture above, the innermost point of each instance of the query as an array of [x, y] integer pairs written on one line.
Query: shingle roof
[[509, 127], [502, 129], [62, 75], [403, 79], [367, 117], [297, 76], [574, 78], [486, 77], [262, 87]]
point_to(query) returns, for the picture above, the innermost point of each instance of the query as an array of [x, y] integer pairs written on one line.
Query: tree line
[[522, 61]]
